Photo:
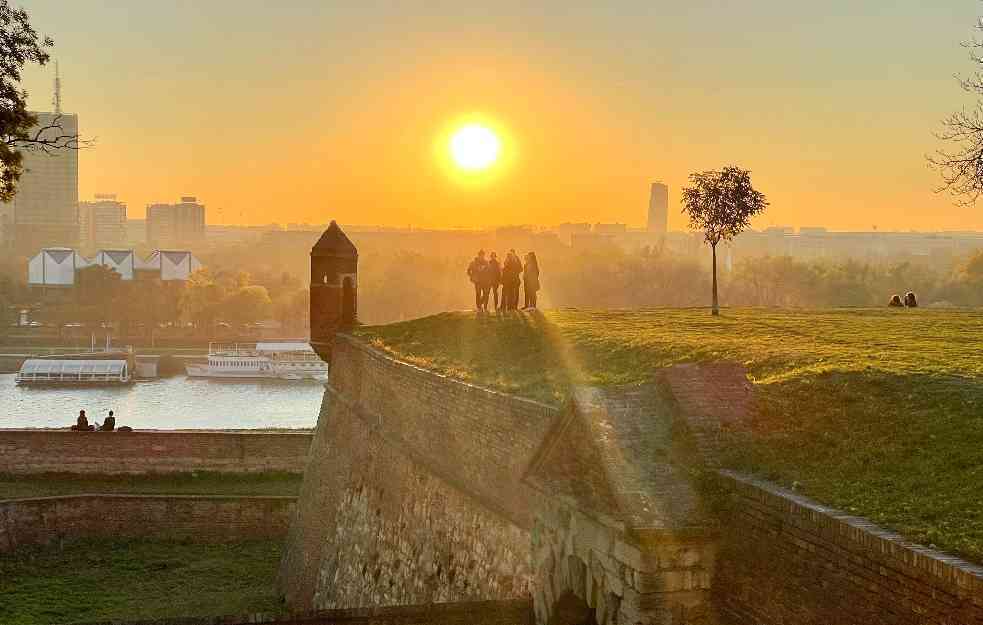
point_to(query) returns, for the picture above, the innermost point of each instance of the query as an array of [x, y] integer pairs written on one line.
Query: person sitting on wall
[[82, 423], [109, 424], [910, 301], [895, 302]]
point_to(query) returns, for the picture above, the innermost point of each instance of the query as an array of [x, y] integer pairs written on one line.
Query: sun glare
[[474, 147]]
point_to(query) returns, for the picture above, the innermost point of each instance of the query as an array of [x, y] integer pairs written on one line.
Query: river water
[[167, 404]]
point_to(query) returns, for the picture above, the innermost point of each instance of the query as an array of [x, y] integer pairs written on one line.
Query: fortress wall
[[206, 518], [25, 452], [413, 493], [784, 559]]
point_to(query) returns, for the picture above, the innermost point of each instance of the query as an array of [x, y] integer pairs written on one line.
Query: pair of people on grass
[[488, 274]]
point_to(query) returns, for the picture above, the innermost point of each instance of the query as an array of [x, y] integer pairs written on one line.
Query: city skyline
[[593, 112]]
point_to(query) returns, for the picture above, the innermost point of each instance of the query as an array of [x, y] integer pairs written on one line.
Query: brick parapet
[[27, 452], [39, 521], [821, 564], [517, 612], [478, 439]]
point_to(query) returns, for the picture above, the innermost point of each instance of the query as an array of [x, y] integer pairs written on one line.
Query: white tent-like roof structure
[[57, 266]]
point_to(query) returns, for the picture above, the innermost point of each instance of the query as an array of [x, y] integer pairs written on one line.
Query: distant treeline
[[245, 284], [406, 284]]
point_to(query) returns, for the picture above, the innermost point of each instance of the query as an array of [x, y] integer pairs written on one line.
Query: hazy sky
[[306, 111]]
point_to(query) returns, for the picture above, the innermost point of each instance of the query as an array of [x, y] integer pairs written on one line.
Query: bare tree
[[721, 204], [20, 45], [960, 162]]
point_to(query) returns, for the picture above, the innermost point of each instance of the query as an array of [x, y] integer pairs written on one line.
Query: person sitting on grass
[[910, 301], [895, 302]]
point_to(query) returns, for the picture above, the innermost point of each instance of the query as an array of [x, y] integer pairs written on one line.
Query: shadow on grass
[[905, 451]]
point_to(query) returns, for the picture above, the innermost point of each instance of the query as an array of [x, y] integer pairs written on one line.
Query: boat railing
[[232, 349]]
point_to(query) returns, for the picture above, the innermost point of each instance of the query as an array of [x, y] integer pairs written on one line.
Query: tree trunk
[[716, 304]]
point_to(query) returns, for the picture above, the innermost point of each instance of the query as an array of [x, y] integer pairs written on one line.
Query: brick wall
[[477, 439], [413, 493], [785, 559], [207, 518], [24, 452], [473, 613]]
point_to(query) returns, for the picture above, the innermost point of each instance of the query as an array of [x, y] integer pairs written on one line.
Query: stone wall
[[207, 518], [414, 493], [24, 452], [472, 613], [785, 559]]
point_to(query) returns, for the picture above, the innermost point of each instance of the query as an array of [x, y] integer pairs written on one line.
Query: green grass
[[97, 581], [878, 412], [12, 486]]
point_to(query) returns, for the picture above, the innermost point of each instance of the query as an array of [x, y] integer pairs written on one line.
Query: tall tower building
[[46, 205], [176, 225], [102, 223], [659, 208]]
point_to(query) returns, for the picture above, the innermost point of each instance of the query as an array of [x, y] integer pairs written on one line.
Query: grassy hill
[[878, 412]]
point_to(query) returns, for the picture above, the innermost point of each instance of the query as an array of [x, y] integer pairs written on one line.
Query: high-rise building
[[46, 203], [659, 208], [102, 223], [6, 226], [176, 225]]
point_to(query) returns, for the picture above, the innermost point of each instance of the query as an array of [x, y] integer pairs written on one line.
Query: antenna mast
[[56, 100]]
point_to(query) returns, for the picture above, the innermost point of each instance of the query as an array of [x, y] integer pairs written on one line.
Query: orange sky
[[310, 112]]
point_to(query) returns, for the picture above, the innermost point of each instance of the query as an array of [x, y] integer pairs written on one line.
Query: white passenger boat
[[51, 372], [283, 360]]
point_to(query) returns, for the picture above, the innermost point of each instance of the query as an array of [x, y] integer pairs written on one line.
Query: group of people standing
[[488, 274]]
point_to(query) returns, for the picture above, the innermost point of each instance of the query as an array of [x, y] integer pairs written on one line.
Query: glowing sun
[[474, 147]]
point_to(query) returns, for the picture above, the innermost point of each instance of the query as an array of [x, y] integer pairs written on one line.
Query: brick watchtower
[[334, 289]]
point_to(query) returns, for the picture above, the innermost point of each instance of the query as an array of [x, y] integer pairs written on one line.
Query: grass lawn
[[878, 412], [97, 581], [12, 486]]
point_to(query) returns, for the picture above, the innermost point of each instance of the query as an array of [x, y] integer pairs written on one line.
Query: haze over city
[[341, 109]]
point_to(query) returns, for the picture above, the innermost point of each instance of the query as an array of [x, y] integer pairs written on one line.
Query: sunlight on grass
[[879, 412]]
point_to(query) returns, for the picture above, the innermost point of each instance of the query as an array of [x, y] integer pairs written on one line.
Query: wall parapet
[[477, 439], [27, 452], [824, 566], [39, 521]]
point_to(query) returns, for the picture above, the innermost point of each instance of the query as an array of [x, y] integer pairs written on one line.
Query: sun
[[474, 147]]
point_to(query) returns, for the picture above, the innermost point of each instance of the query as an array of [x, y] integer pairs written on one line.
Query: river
[[167, 404]]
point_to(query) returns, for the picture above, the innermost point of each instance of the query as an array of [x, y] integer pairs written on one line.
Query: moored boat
[[52, 372], [283, 360]]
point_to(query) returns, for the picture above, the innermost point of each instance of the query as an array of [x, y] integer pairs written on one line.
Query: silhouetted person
[[910, 301], [109, 424], [511, 270], [82, 423], [476, 271], [530, 276], [895, 302], [493, 278]]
